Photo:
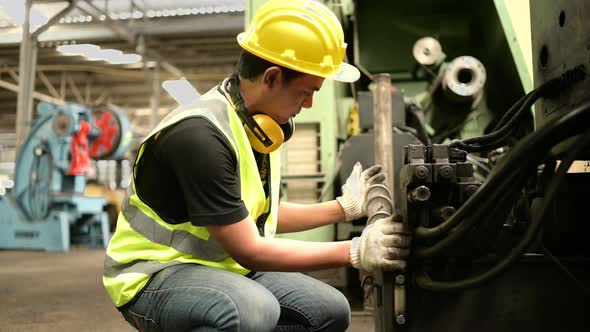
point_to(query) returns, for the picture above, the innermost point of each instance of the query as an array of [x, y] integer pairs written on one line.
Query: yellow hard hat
[[303, 35]]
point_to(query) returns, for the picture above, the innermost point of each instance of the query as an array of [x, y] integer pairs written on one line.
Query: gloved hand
[[355, 189], [383, 244]]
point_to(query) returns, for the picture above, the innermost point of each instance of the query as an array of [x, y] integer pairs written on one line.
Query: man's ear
[[272, 77]]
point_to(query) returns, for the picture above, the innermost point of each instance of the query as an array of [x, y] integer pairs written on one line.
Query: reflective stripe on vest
[[144, 244]]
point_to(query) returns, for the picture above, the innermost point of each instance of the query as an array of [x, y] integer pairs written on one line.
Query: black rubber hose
[[502, 130], [522, 154], [424, 281], [513, 110]]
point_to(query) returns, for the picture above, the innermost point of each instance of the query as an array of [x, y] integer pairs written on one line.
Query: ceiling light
[[77, 49], [102, 55], [125, 59], [95, 53]]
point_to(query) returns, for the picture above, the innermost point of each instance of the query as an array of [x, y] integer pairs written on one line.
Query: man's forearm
[[300, 217], [292, 255]]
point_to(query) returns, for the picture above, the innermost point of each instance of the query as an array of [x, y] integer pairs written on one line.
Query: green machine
[[498, 226], [497, 247]]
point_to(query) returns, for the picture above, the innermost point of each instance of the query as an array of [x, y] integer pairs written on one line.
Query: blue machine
[[47, 209]]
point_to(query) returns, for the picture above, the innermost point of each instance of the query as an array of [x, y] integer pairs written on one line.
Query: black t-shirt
[[189, 172]]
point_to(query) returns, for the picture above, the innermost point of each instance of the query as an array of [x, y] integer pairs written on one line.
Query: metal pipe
[[393, 292], [378, 199], [382, 115]]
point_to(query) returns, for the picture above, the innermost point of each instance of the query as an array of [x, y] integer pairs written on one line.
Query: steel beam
[[131, 38], [15, 88], [48, 85], [27, 63], [27, 69]]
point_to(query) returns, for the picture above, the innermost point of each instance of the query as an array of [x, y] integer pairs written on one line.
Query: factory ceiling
[[194, 39]]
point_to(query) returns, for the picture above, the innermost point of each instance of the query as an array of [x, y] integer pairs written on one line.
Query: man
[[194, 247]]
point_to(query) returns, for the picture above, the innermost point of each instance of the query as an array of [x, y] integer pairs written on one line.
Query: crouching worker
[[194, 247]]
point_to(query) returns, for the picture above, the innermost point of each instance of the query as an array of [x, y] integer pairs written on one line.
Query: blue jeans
[[192, 297]]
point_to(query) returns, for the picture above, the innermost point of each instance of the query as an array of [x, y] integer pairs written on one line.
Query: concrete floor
[[41, 292]]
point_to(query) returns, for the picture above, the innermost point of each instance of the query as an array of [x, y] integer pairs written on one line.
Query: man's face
[[286, 99]]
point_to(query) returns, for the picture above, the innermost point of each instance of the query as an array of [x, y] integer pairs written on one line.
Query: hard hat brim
[[348, 73]]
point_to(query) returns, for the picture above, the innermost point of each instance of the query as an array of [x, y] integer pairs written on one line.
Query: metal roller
[[464, 79], [427, 51]]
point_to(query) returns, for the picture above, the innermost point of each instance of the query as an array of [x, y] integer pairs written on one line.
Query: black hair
[[250, 66]]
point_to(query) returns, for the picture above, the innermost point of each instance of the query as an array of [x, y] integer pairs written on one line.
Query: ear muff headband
[[288, 129], [264, 133]]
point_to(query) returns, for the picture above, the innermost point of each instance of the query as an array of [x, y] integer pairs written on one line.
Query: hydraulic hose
[[502, 130], [424, 281], [523, 156]]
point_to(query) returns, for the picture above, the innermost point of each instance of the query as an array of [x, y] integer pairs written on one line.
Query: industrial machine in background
[[495, 197], [47, 208], [110, 180]]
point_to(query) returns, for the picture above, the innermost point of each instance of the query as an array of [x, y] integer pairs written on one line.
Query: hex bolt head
[[400, 319], [419, 194], [421, 172], [445, 171], [470, 190], [447, 212], [400, 279]]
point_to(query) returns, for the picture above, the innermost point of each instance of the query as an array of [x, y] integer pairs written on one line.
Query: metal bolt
[[421, 172], [470, 190], [400, 319], [419, 194], [445, 171], [400, 279]]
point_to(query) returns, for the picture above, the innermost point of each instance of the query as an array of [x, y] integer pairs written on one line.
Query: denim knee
[[260, 313], [248, 311], [338, 312]]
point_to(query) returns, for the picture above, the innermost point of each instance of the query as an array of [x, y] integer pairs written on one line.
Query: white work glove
[[383, 244], [355, 189]]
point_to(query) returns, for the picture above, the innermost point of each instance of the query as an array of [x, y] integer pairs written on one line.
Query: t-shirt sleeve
[[205, 166]]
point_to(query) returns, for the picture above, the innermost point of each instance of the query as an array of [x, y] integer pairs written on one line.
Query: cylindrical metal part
[[421, 172], [446, 171], [378, 199], [378, 215], [428, 52], [382, 115], [470, 190], [419, 194], [443, 213], [464, 79]]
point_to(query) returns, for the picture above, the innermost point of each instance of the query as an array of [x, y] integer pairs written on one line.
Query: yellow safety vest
[[144, 244]]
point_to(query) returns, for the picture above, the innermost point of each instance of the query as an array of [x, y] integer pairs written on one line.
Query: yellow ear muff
[[272, 129]]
